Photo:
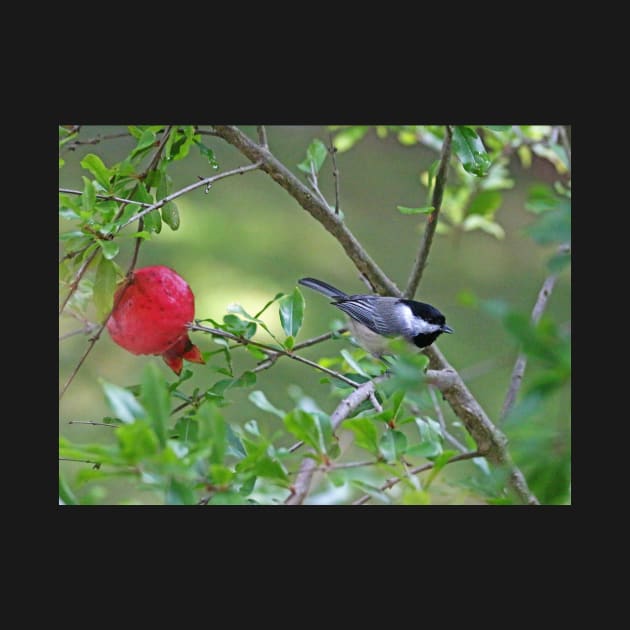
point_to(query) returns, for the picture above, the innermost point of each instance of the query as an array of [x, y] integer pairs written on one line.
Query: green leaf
[[431, 439], [237, 308], [525, 155], [347, 138], [179, 493], [122, 402], [152, 220], [259, 399], [486, 203], [234, 446], [438, 463], [553, 226], [415, 497], [110, 248], [246, 379], [155, 399], [88, 199], [94, 164], [187, 430], [392, 444], [369, 489], [268, 304], [540, 199], [270, 468], [292, 312], [257, 353], [170, 215], [304, 427], [478, 222], [104, 287], [137, 441], [317, 153], [424, 449], [227, 498], [184, 137], [470, 150], [66, 496], [365, 433], [146, 141], [423, 210], [352, 363], [207, 153], [220, 475]]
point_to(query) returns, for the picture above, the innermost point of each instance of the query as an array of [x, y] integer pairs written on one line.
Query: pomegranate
[[150, 316]]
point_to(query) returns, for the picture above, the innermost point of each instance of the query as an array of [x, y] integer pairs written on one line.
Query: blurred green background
[[247, 239]]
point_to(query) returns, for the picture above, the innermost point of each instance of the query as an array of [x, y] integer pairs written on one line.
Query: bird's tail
[[322, 287]]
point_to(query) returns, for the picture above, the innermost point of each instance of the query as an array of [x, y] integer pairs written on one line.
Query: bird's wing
[[359, 308]]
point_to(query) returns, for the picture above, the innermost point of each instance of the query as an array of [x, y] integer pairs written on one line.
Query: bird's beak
[[447, 329]]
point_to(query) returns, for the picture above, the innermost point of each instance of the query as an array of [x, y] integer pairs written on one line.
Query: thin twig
[[427, 238], [343, 466], [262, 136], [94, 424], [272, 357], [521, 361], [390, 483], [94, 339], [70, 191], [199, 184], [156, 157], [81, 461], [440, 416], [264, 346], [71, 146], [333, 151], [77, 278], [88, 329], [314, 185]]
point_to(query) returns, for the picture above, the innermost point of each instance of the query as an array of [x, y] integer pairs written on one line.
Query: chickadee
[[373, 318]]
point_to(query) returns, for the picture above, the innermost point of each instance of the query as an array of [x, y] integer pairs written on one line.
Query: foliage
[[183, 445]]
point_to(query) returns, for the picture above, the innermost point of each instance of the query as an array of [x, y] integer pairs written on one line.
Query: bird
[[374, 319]]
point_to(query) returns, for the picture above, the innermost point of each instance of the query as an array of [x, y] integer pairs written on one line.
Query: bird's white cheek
[[417, 326]]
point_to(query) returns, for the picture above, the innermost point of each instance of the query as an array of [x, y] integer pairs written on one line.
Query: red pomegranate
[[150, 316]]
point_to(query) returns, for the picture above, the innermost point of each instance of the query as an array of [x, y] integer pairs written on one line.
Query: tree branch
[[432, 219], [308, 467], [440, 416], [262, 137], [333, 152], [490, 440], [521, 361], [307, 200]]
